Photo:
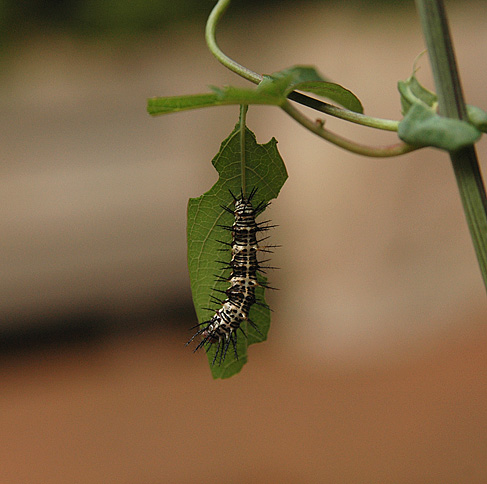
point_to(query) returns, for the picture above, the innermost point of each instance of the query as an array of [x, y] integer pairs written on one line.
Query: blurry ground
[[141, 410], [375, 367]]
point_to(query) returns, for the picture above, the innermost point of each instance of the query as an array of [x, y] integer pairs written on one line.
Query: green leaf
[[224, 96], [265, 171], [478, 117], [174, 104], [241, 95], [273, 90], [412, 92], [307, 79], [422, 127]]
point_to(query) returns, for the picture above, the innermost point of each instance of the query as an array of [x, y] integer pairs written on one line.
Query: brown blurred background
[[375, 370]]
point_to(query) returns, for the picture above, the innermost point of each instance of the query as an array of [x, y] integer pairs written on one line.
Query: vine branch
[[450, 103], [372, 151], [326, 108]]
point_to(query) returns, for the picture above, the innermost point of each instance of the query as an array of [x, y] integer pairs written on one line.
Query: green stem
[[360, 149], [210, 35], [215, 15], [451, 104], [243, 114], [345, 114]]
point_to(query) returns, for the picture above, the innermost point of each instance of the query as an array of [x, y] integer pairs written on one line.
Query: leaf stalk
[[242, 125], [349, 145]]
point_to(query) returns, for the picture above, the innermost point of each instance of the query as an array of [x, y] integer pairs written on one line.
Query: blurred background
[[375, 370]]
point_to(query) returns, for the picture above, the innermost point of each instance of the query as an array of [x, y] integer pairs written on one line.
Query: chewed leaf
[[265, 171]]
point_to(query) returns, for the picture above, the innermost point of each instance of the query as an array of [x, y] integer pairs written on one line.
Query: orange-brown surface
[[143, 410]]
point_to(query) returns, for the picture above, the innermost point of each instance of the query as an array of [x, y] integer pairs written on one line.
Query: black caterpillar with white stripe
[[222, 328]]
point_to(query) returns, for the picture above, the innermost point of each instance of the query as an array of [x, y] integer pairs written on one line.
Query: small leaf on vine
[[413, 92], [422, 126], [478, 117], [306, 78]]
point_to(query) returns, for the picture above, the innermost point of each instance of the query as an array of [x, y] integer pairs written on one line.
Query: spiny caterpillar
[[222, 328]]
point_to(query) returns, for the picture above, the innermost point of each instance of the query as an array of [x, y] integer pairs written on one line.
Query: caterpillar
[[221, 329]]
